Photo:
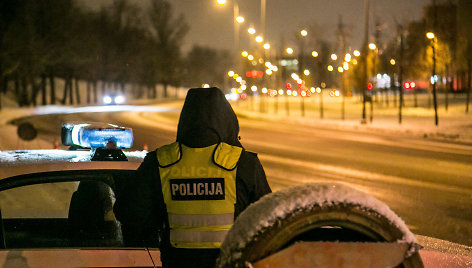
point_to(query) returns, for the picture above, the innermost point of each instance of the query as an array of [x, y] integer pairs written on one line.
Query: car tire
[[276, 220]]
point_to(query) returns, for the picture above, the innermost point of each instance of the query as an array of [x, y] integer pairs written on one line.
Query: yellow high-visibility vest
[[199, 189]]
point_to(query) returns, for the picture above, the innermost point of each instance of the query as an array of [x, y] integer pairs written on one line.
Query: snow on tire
[[276, 219]]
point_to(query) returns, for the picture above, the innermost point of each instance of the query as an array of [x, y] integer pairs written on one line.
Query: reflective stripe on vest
[[199, 189]]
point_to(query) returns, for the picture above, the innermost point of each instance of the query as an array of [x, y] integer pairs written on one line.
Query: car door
[[65, 219]]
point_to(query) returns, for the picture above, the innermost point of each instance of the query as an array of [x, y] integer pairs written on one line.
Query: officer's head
[[207, 118]]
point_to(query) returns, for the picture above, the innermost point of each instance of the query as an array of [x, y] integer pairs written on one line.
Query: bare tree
[[167, 32]]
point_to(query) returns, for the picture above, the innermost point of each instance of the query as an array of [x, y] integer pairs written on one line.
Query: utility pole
[[364, 52], [400, 74], [435, 16], [342, 47]]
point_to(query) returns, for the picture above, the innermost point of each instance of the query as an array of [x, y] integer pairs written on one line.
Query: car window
[[61, 214]]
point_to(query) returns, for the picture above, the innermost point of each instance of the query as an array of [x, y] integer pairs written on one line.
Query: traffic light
[[369, 86]]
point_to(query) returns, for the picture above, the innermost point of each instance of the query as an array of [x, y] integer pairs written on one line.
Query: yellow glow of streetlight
[[289, 50], [254, 88], [235, 76], [230, 73], [303, 33], [372, 46], [334, 57], [239, 19], [268, 71], [244, 54], [295, 76], [306, 72], [340, 69], [243, 87], [430, 35], [259, 39], [356, 53], [264, 90], [266, 46], [221, 2], [346, 66], [275, 68], [251, 30], [392, 61], [330, 68], [239, 79], [281, 91], [314, 54], [268, 64], [354, 61], [347, 58], [250, 57]]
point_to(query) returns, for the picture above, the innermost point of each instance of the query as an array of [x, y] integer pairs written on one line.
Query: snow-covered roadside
[[454, 126]]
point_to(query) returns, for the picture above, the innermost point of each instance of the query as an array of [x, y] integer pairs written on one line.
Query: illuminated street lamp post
[[237, 19], [432, 37]]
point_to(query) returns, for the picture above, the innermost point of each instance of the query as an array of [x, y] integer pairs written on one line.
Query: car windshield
[[373, 94]]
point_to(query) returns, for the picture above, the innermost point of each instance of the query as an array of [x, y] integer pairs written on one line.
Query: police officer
[[186, 195]]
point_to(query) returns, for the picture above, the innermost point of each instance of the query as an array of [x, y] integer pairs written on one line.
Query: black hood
[[207, 118]]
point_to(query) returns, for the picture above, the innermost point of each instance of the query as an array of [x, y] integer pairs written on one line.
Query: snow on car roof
[[34, 161], [21, 157]]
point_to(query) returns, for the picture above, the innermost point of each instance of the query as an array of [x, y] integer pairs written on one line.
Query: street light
[[432, 37], [239, 19], [334, 56], [356, 53], [306, 72], [330, 68], [230, 73], [372, 46], [314, 54], [244, 54], [259, 39], [392, 62], [347, 58], [340, 69], [289, 50], [303, 33], [346, 66], [266, 46], [221, 2], [251, 30]]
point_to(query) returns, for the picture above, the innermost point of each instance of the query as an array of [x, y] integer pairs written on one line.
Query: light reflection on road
[[103, 109]]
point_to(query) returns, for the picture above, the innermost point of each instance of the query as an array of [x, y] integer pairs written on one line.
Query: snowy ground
[[454, 124]]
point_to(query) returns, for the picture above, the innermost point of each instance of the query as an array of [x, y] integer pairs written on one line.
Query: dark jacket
[[206, 118]]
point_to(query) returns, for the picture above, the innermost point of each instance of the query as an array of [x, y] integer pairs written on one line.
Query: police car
[[56, 205]]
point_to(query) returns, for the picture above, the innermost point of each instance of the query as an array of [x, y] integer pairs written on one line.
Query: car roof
[[13, 163]]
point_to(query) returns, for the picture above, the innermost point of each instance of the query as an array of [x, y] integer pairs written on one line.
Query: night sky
[[211, 25]]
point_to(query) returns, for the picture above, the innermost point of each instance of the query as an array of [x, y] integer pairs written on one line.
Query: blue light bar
[[96, 135]]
